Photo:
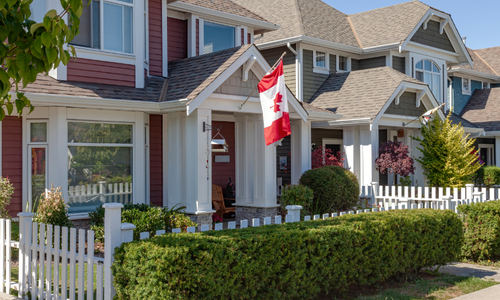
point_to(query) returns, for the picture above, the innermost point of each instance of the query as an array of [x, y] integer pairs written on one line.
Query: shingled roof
[[490, 57], [359, 94], [456, 119], [312, 18], [388, 25], [226, 6], [50, 86], [483, 109]]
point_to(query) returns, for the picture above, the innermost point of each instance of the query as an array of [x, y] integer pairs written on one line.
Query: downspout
[[298, 73]]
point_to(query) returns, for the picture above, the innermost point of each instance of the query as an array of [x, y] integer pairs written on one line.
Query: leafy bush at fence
[[335, 189], [52, 209], [489, 175], [6, 191], [146, 219], [481, 230], [288, 261], [297, 194]]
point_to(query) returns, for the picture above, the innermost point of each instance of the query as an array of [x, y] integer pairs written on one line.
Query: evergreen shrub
[[297, 194], [481, 230], [288, 261], [489, 176], [335, 189]]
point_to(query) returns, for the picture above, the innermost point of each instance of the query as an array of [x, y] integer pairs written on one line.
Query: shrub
[[321, 156], [97, 223], [335, 189], [52, 209], [489, 175], [297, 195], [394, 159], [481, 230], [288, 261], [6, 191]]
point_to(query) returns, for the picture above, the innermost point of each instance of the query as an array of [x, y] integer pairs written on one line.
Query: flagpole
[[272, 68], [404, 124]]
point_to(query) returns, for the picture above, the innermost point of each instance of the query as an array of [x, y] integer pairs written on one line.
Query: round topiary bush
[[335, 189]]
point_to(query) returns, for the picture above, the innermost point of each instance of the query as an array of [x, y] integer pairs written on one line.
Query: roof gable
[[431, 37]]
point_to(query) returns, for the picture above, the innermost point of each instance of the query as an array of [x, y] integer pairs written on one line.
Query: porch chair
[[218, 202]]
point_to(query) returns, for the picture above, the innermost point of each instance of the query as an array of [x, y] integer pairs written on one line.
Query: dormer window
[[486, 85], [217, 37], [342, 63], [466, 86], [320, 60], [427, 71], [117, 29]]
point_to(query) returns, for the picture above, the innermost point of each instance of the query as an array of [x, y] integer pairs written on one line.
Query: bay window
[[217, 37], [100, 157], [428, 72], [116, 27]]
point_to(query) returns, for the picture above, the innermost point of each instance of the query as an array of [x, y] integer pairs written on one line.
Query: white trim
[[329, 141], [165, 158], [231, 18], [299, 68], [341, 123], [147, 160], [457, 71], [320, 69], [104, 55], [322, 116], [310, 40], [164, 38], [466, 90], [491, 153]]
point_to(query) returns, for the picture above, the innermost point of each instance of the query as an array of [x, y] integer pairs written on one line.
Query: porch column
[[497, 151], [255, 170], [189, 164], [301, 148], [351, 149], [368, 153]]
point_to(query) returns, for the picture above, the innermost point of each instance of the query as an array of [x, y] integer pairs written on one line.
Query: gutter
[[473, 73]]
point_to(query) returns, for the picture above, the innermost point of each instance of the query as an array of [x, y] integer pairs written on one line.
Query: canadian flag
[[274, 103]]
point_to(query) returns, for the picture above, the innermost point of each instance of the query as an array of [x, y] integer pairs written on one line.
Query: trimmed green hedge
[[481, 230], [289, 261], [489, 175]]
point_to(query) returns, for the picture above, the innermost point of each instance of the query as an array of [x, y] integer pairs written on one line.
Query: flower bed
[[293, 260]]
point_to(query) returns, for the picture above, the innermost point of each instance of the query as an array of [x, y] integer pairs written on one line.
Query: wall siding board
[[354, 64], [155, 38], [333, 64], [95, 71], [399, 64], [371, 63], [222, 171], [317, 135], [272, 55], [407, 106], [284, 150], [432, 38], [177, 37], [460, 100], [234, 85], [156, 159], [12, 160], [311, 80]]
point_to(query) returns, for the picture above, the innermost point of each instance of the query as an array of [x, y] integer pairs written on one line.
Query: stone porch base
[[202, 219], [249, 213]]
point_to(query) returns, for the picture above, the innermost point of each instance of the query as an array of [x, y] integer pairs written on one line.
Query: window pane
[[99, 133], [98, 175], [320, 59], [96, 21], [465, 84], [428, 79], [342, 63], [118, 28], [38, 132], [38, 174], [420, 75], [485, 85], [126, 1], [217, 37], [128, 31], [419, 65], [435, 69], [436, 86], [427, 65], [84, 36]]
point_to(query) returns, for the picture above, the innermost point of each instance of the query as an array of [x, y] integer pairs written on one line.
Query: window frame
[[432, 73], [488, 85], [30, 145], [202, 34], [327, 60], [466, 91], [490, 148]]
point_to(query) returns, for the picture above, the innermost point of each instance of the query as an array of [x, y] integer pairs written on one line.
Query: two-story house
[[475, 96], [150, 112], [380, 69]]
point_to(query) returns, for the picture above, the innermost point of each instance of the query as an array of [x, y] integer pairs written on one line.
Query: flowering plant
[[217, 219], [52, 209], [323, 156], [394, 159]]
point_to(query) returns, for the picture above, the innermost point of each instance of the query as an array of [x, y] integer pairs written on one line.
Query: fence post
[[374, 192], [447, 202], [127, 232], [469, 189], [477, 197], [294, 212], [112, 239], [25, 227]]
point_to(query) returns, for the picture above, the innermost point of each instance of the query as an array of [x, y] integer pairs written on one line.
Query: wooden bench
[[218, 202]]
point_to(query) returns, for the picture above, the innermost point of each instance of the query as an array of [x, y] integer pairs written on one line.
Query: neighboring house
[[132, 119], [475, 98], [379, 69]]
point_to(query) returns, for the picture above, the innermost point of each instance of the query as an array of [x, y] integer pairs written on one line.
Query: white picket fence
[[102, 192]]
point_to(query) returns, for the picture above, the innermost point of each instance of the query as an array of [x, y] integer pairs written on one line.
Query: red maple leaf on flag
[[277, 101]]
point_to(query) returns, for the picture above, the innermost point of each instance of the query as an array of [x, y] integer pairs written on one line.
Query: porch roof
[[483, 109], [456, 119], [360, 94]]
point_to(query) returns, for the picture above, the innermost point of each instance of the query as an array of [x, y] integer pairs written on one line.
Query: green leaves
[[32, 48]]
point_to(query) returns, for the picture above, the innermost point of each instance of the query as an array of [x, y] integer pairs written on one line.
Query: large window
[[100, 159], [37, 149], [217, 37], [117, 28], [428, 72]]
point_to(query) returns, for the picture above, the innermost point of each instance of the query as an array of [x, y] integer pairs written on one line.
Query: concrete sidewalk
[[470, 270]]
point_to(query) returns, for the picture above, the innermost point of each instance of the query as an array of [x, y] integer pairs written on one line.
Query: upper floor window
[[486, 85], [342, 63], [320, 59], [217, 37], [428, 72], [116, 30], [466, 85]]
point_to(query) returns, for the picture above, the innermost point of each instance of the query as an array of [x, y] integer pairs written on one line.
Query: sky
[[478, 20]]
